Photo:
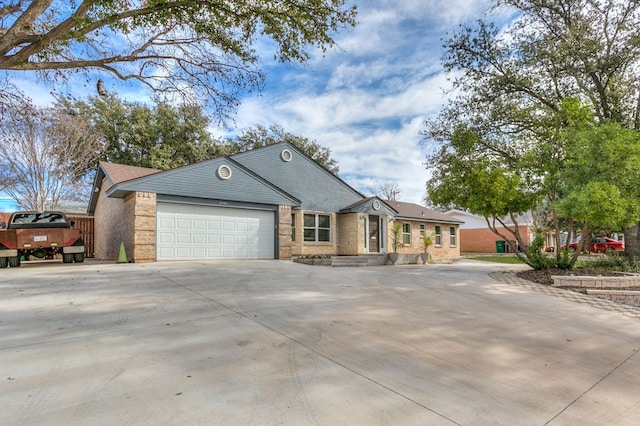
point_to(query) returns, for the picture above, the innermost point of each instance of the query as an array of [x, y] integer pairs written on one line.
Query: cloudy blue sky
[[366, 100]]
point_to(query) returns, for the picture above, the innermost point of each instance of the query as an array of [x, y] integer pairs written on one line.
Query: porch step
[[362, 260]]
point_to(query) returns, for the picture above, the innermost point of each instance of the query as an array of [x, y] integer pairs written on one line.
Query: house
[[418, 221], [274, 202], [476, 237]]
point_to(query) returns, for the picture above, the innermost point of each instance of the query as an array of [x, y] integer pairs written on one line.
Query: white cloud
[[368, 100]]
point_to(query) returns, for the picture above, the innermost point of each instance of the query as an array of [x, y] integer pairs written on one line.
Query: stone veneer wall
[[442, 251], [284, 232], [350, 234], [108, 226], [140, 227]]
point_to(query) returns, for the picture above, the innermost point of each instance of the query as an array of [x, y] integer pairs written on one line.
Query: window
[[317, 227], [422, 230], [406, 233], [452, 236], [293, 226], [438, 236]]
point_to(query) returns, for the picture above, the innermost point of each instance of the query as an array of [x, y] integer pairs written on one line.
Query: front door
[[374, 234]]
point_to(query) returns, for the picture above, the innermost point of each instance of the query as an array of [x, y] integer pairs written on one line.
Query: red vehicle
[[39, 235], [600, 245]]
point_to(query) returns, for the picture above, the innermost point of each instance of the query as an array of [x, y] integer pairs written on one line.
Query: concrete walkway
[[274, 342]]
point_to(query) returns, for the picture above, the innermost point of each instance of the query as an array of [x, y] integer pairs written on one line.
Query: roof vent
[[224, 172], [286, 155], [375, 205]]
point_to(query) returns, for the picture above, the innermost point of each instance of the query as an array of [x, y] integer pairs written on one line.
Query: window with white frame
[[452, 236], [406, 233], [438, 235], [317, 228]]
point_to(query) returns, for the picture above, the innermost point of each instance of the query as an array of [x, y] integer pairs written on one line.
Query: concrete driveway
[[274, 342]]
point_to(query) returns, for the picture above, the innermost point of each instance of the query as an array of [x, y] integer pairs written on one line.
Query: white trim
[[286, 155], [224, 172]]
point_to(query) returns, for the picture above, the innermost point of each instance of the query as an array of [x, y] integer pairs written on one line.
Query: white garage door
[[188, 232]]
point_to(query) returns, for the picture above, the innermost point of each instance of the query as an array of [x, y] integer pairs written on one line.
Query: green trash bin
[[500, 246]]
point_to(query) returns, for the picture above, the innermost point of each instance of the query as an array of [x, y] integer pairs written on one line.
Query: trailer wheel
[[14, 262], [67, 257], [78, 257], [4, 262]]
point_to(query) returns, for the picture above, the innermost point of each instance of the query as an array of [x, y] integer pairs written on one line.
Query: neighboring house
[[476, 237], [273, 202]]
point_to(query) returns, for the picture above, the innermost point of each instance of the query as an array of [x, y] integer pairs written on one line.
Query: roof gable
[[118, 173], [115, 174], [288, 168], [219, 178], [370, 205]]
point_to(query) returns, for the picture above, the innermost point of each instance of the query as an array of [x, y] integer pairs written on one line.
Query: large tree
[[161, 136], [513, 84], [46, 154], [201, 50]]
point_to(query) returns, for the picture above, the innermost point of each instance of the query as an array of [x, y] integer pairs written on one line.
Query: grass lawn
[[498, 259]]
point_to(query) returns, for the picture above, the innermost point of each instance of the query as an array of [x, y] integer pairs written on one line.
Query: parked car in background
[[606, 245], [598, 245]]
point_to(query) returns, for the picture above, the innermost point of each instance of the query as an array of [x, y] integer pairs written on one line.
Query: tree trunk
[[632, 241]]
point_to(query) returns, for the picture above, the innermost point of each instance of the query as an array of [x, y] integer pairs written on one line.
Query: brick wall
[[350, 232], [484, 240], [443, 250], [109, 229], [284, 232], [140, 227]]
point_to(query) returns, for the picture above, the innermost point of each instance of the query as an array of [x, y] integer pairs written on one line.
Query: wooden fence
[[85, 224]]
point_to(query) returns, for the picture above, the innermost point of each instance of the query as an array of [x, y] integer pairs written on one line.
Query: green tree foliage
[[259, 136], [601, 175], [472, 177], [162, 136], [199, 49], [551, 102]]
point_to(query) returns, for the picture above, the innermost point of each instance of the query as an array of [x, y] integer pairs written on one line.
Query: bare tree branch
[[46, 152], [197, 49]]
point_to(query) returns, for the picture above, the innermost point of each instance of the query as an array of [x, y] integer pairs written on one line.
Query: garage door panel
[[183, 238], [183, 253], [183, 223], [202, 232], [165, 237]]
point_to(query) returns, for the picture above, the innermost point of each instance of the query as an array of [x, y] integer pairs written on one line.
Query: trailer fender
[[73, 249]]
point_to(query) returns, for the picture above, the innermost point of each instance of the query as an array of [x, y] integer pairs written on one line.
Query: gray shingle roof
[[418, 212]]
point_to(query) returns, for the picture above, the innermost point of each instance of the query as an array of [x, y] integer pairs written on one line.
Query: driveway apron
[[275, 342]]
